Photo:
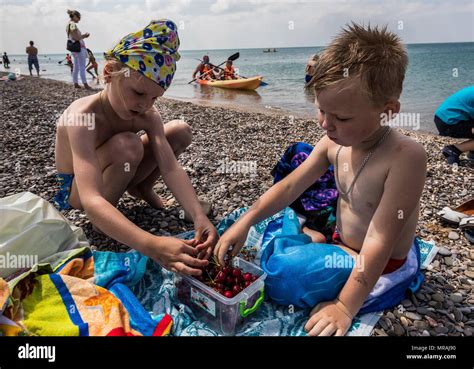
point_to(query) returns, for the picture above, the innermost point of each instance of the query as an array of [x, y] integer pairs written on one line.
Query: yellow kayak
[[236, 84]]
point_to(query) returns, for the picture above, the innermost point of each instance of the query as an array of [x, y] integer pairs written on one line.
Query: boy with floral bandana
[[97, 163]]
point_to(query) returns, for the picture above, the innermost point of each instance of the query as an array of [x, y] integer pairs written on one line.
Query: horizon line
[[277, 47]]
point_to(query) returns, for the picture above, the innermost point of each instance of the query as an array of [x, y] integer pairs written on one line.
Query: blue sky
[[231, 24]]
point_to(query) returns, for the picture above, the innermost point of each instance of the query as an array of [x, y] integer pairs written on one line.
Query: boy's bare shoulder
[[86, 104], [405, 148]]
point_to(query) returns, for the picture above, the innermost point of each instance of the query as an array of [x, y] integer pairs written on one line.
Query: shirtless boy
[[380, 173], [98, 162]]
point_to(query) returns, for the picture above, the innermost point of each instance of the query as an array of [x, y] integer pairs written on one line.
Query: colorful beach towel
[[88, 294], [69, 290]]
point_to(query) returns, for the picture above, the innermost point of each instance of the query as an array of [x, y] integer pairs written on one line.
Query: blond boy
[[380, 173]]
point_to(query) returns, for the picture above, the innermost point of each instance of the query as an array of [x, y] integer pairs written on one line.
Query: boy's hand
[[205, 238], [328, 318], [235, 236], [178, 256]]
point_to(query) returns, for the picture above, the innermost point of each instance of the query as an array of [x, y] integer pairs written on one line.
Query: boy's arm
[[276, 198], [402, 192], [176, 178], [291, 187]]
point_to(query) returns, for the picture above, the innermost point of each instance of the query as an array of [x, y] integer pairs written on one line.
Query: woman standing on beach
[[74, 34]]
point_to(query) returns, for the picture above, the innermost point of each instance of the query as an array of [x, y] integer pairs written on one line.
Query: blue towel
[[303, 274]]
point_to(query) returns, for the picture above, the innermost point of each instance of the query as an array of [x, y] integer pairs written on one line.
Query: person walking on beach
[[455, 118], [74, 34], [32, 52], [92, 64], [69, 62], [6, 61], [96, 166]]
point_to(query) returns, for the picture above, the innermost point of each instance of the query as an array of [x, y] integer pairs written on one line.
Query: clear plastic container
[[221, 313]]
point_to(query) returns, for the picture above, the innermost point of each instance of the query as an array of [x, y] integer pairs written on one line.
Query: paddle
[[216, 66], [232, 57]]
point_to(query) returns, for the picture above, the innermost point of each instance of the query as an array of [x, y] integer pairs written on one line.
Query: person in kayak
[[200, 68], [229, 71], [207, 73]]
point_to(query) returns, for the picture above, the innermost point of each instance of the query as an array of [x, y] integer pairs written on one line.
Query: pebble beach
[[255, 141]]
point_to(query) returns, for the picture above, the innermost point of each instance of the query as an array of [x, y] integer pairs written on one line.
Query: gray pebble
[[456, 297], [453, 235], [443, 251]]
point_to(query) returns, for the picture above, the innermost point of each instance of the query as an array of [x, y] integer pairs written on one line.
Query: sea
[[435, 72]]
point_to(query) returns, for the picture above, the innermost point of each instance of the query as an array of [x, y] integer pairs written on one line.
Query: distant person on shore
[[92, 64], [310, 67], [74, 34], [380, 175], [201, 67], [69, 62], [97, 164], [6, 61], [455, 118], [229, 71], [32, 52]]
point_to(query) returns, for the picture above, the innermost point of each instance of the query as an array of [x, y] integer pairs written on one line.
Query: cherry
[[228, 294], [247, 283], [236, 290], [247, 277], [225, 270], [254, 278], [236, 272], [219, 286], [221, 277], [229, 280]]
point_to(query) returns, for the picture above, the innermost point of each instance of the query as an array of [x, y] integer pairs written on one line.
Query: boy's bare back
[[91, 109]]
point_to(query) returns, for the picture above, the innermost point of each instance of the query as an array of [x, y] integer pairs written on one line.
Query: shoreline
[[258, 109], [31, 105]]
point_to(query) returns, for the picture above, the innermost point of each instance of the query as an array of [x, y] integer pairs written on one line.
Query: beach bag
[[73, 46], [32, 230]]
